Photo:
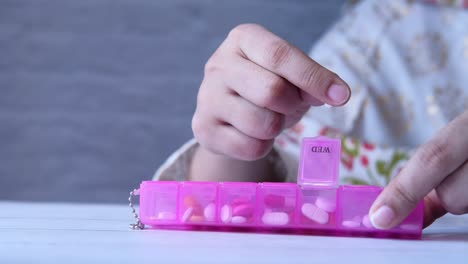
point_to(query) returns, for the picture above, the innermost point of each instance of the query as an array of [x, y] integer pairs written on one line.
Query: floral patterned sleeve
[[408, 80], [362, 162], [372, 124], [369, 164]]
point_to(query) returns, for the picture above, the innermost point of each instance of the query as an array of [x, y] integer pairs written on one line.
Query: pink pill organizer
[[316, 205]]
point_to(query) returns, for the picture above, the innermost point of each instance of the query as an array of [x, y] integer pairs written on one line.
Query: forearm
[[207, 166]]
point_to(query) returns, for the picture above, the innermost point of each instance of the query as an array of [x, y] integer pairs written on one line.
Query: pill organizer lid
[[319, 161]]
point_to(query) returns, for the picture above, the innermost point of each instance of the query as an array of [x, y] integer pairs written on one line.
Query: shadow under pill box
[[317, 205]]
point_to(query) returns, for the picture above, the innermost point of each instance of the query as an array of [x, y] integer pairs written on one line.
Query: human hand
[[438, 172], [255, 85]]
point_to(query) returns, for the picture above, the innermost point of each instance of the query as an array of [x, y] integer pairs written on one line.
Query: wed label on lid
[[319, 161]]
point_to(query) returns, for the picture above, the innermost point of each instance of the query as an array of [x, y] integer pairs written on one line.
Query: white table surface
[[82, 233]]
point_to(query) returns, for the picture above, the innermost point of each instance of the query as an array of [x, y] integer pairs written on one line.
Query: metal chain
[[137, 225]]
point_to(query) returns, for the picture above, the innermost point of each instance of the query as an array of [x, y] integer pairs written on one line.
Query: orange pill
[[197, 218], [191, 201]]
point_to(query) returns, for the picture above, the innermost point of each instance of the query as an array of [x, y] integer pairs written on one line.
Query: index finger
[[282, 58], [429, 166]]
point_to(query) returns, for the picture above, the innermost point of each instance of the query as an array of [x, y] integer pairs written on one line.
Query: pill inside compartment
[[197, 202], [317, 207], [237, 201], [158, 203], [354, 203], [277, 203]]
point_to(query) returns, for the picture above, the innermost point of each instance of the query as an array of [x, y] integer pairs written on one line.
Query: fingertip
[[382, 214], [338, 94], [383, 217]]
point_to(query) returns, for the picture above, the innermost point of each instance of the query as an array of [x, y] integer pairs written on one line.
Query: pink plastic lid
[[319, 163]]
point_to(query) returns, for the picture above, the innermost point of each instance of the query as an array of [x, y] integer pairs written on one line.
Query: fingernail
[[382, 218], [338, 93]]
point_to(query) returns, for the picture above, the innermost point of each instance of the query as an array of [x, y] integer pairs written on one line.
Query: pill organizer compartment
[[197, 202], [413, 224], [317, 207], [354, 203], [237, 202], [319, 161], [276, 204], [160, 203], [275, 207], [353, 206]]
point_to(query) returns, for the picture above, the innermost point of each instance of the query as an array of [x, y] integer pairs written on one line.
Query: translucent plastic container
[[317, 205], [198, 202], [237, 204], [159, 202], [354, 203], [277, 204], [268, 207]]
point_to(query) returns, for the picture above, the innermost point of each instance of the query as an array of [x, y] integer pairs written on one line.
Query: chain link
[[137, 225]]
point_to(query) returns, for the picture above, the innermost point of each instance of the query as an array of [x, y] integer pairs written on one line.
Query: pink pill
[[209, 212], [245, 210], [366, 222], [166, 216], [314, 213], [226, 214], [326, 204], [187, 214], [275, 201], [275, 218], [238, 220], [351, 224], [240, 200]]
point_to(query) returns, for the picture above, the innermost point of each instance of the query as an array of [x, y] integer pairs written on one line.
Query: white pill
[[326, 204], [238, 220], [209, 212], [166, 216], [314, 213], [275, 218], [226, 213], [350, 223], [366, 222], [187, 214]]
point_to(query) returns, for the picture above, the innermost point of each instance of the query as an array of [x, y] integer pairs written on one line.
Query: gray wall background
[[95, 94]]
